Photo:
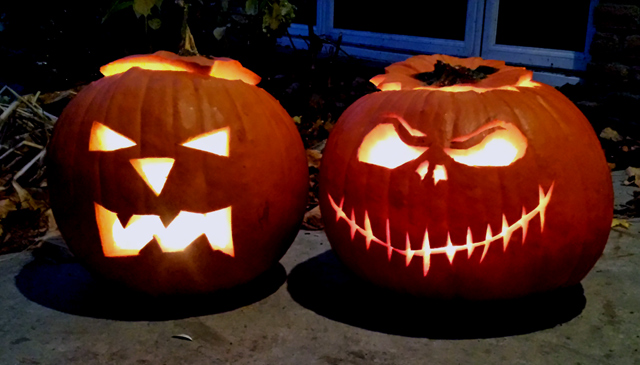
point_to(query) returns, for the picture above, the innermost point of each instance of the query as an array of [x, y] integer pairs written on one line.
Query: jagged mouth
[[450, 249], [186, 227]]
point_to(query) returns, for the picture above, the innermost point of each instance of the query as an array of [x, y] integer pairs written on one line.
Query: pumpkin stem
[[445, 74]]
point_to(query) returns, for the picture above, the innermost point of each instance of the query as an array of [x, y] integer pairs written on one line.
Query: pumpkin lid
[[453, 74], [220, 67]]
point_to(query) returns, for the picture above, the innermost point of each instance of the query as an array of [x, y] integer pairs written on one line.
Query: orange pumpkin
[[177, 175], [465, 178]]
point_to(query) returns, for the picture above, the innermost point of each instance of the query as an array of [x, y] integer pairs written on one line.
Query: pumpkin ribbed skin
[[264, 179], [563, 155]]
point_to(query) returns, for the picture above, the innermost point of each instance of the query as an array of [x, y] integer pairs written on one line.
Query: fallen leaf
[[52, 227], [634, 176], [313, 219], [611, 165], [183, 336], [610, 134], [313, 158], [6, 206], [26, 201], [620, 223]]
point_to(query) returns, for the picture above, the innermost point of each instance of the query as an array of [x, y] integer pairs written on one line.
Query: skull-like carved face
[[394, 143], [492, 188]]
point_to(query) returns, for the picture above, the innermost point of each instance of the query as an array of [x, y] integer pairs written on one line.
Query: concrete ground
[[310, 310]]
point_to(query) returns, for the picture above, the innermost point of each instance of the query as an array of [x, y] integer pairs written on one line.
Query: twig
[[29, 164], [7, 112]]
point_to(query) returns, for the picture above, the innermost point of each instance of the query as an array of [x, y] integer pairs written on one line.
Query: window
[[542, 33]]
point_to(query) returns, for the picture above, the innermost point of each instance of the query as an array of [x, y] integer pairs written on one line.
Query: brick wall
[[611, 94]]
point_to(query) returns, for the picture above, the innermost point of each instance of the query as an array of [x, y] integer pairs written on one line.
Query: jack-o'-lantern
[[463, 178], [177, 175]]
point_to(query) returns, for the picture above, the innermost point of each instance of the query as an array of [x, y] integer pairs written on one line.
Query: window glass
[[555, 24], [433, 19]]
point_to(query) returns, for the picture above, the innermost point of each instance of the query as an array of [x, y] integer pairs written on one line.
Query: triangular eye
[[384, 147], [104, 138], [216, 142]]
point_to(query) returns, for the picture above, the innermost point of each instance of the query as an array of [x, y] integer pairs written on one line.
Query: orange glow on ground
[[449, 249], [216, 142], [383, 147], [120, 241], [103, 138], [154, 171], [500, 148]]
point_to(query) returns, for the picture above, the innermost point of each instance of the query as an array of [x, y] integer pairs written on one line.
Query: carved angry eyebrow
[[408, 134], [475, 137]]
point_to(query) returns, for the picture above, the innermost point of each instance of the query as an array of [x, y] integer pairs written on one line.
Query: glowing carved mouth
[[184, 229], [450, 249]]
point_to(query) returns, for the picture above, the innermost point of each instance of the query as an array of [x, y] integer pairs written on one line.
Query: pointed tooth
[[367, 227], [426, 253], [524, 222], [487, 241], [340, 208], [506, 233], [389, 247], [353, 224], [541, 207], [450, 250], [408, 251], [469, 243]]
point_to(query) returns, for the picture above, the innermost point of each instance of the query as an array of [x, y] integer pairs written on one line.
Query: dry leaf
[[611, 165], [6, 206], [634, 176], [52, 227], [313, 158], [610, 134], [297, 119], [26, 201], [313, 219], [620, 223]]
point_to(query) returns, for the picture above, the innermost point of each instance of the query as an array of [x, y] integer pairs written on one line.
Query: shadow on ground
[[68, 287], [324, 285]]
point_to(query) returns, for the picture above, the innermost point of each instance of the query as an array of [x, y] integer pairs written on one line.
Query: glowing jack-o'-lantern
[[177, 175], [495, 187]]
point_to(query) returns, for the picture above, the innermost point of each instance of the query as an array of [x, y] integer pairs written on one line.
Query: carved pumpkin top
[[220, 67], [473, 74]]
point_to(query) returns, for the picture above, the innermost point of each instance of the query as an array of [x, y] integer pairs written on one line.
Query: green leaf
[[158, 4], [219, 32], [225, 5], [154, 23], [143, 7], [251, 7]]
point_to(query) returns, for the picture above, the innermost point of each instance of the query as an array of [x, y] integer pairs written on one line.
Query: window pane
[[555, 24], [305, 11], [434, 19]]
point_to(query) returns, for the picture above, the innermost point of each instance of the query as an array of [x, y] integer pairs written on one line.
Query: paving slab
[[311, 310]]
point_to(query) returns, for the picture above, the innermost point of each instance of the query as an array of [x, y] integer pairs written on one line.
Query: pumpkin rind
[[264, 179], [563, 161]]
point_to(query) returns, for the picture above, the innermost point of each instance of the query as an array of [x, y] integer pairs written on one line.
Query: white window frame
[[478, 41], [531, 56]]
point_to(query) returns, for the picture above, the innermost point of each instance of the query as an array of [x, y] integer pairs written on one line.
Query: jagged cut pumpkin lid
[[453, 74], [220, 67]]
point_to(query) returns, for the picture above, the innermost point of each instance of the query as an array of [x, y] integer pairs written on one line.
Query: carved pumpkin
[[177, 175], [465, 178]]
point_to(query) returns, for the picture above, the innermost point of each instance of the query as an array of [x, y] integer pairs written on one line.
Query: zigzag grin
[[450, 249], [120, 241]]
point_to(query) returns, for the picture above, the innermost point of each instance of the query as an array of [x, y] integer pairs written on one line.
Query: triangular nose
[[154, 171]]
